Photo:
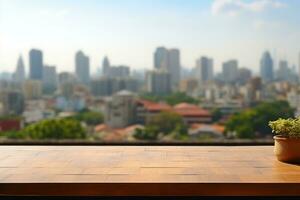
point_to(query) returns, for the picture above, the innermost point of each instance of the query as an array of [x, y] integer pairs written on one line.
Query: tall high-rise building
[[169, 60], [106, 86], [299, 65], [50, 79], [82, 67], [204, 69], [105, 66], [118, 71], [174, 66], [266, 67], [158, 82], [244, 75], [36, 64], [283, 72], [230, 71], [161, 58], [66, 77], [19, 75], [12, 102]]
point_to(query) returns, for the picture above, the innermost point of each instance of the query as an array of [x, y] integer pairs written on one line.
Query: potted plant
[[287, 139]]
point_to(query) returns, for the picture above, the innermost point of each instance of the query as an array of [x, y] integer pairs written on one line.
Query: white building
[[120, 110], [19, 74], [169, 60], [293, 98], [230, 71], [204, 69], [82, 67]]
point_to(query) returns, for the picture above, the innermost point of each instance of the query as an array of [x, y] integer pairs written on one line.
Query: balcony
[[145, 170]]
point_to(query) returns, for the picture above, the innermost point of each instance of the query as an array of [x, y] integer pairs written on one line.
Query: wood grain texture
[[145, 170]]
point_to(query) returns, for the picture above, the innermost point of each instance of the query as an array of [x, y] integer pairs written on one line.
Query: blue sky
[[128, 31]]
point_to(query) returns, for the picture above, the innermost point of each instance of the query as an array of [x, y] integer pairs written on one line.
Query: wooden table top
[[145, 170]]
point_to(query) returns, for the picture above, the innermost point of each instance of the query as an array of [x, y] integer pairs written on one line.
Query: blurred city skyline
[[128, 32]]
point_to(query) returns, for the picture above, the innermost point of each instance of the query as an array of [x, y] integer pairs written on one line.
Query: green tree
[[255, 120], [216, 114], [164, 123], [55, 129], [148, 133], [89, 117], [172, 99], [180, 97], [13, 135]]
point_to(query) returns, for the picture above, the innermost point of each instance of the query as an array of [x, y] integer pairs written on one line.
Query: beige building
[[120, 110], [188, 86], [32, 89]]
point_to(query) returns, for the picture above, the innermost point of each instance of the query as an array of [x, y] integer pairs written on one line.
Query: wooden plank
[[145, 170]]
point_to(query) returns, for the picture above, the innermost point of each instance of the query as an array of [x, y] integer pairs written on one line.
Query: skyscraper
[[50, 79], [174, 66], [230, 71], [20, 71], [168, 60], [158, 82], [36, 64], [118, 71], [299, 65], [82, 65], [283, 72], [161, 58], [244, 75], [64, 77], [204, 69], [105, 66], [12, 102], [266, 67]]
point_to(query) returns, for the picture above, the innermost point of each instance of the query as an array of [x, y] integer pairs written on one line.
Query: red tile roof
[[101, 127], [153, 106], [190, 110], [116, 134], [216, 127], [10, 125]]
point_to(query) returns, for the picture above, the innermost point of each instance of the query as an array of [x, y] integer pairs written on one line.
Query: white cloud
[[263, 25], [62, 13], [52, 13], [235, 7]]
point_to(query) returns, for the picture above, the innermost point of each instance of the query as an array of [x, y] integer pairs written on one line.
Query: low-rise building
[[293, 97], [146, 110], [203, 131], [120, 110], [192, 114], [189, 86], [10, 125], [32, 89]]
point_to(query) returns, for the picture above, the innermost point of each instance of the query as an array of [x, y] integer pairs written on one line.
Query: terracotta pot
[[287, 149]]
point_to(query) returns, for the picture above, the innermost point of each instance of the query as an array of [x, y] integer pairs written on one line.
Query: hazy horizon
[[129, 31]]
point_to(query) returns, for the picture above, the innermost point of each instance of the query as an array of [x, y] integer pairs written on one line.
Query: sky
[[128, 31]]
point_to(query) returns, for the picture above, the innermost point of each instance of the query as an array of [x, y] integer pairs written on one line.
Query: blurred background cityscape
[[164, 101]]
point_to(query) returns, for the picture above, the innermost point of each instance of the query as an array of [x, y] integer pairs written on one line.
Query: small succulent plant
[[289, 128]]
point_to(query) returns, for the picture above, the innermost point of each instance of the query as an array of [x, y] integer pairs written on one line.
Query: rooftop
[[154, 107], [186, 109]]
